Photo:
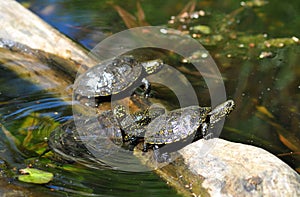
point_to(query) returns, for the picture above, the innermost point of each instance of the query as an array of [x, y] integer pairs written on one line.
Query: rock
[[217, 167], [234, 169]]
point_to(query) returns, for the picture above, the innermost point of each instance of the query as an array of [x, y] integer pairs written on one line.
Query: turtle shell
[[176, 125], [108, 77]]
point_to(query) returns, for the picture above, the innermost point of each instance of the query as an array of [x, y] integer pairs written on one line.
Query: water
[[266, 90], [30, 108]]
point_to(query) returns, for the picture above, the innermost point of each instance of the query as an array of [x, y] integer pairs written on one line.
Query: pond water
[[261, 74]]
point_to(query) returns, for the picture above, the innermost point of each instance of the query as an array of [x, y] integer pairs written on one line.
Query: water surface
[[266, 89]]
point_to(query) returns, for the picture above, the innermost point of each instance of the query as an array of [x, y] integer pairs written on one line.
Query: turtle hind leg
[[130, 141], [160, 157], [145, 147], [133, 142]]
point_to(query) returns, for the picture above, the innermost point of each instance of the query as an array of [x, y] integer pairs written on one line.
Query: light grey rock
[[234, 169]]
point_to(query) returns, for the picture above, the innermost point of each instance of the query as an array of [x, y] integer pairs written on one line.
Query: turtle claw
[[131, 147]]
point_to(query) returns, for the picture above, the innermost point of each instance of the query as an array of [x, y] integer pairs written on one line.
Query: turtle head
[[220, 111], [152, 66]]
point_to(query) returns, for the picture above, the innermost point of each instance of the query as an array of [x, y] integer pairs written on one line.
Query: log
[[47, 71], [21, 25], [228, 169]]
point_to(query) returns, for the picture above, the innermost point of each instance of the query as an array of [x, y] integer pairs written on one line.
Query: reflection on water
[[89, 22]]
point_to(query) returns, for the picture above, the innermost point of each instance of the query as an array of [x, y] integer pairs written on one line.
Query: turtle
[[76, 138], [115, 76], [134, 125], [100, 134], [182, 126]]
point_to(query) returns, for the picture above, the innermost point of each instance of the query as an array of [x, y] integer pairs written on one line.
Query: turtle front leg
[[147, 87], [151, 67], [205, 133]]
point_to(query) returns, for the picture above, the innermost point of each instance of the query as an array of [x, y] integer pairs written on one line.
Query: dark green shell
[[176, 125], [114, 76], [108, 77], [182, 123]]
